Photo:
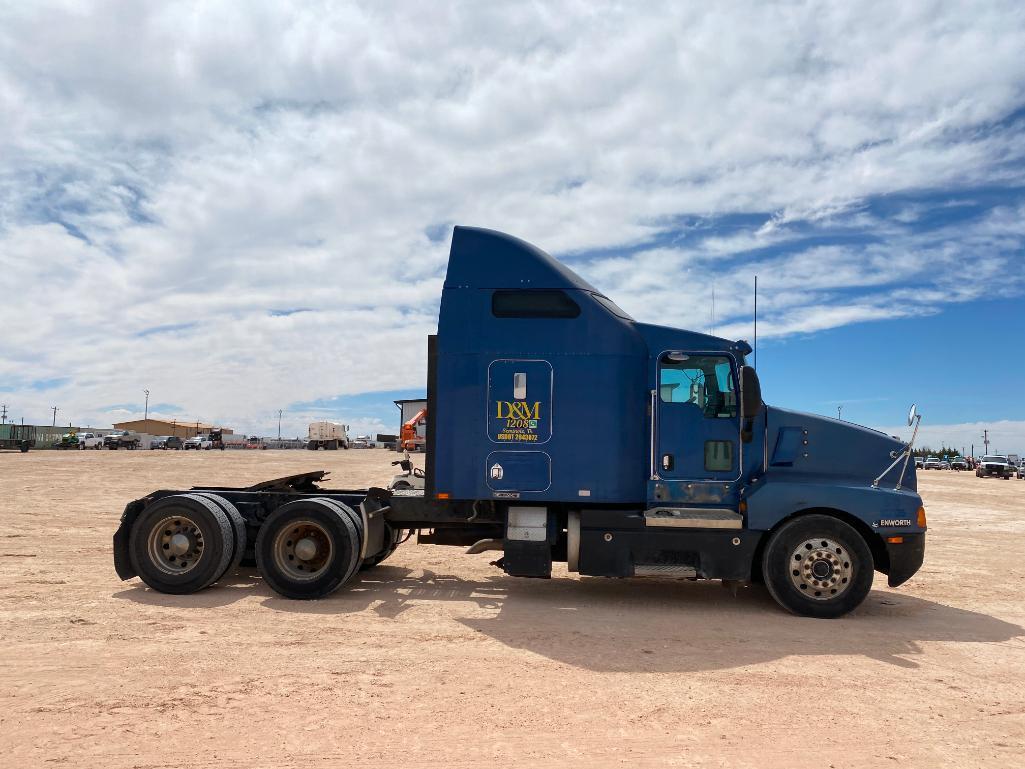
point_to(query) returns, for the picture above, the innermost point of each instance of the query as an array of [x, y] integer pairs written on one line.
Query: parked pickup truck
[[198, 442], [90, 441], [933, 463], [121, 439], [994, 464], [959, 463]]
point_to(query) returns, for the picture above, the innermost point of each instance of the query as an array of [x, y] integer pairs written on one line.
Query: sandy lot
[[438, 659]]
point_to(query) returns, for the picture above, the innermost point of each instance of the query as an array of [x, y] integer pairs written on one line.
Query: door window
[[705, 382]]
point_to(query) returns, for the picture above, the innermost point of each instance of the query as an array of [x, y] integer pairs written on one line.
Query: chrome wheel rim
[[821, 568], [302, 550], [175, 544]]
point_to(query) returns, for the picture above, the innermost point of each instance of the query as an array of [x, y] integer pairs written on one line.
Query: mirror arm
[[911, 443], [905, 455]]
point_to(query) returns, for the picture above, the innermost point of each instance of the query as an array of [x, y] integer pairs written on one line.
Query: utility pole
[[55, 410], [985, 440], [174, 427], [145, 415], [3, 414], [279, 424]]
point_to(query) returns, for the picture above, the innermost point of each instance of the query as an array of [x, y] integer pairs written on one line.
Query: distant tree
[[942, 451]]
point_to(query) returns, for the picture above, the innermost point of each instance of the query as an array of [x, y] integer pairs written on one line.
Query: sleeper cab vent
[[788, 445], [533, 304]]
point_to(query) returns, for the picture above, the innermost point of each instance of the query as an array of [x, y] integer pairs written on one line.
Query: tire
[[335, 535], [201, 522], [847, 566], [402, 485], [238, 529]]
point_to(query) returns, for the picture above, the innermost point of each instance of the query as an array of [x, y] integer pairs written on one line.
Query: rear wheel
[[817, 566], [181, 544], [238, 530], [309, 548]]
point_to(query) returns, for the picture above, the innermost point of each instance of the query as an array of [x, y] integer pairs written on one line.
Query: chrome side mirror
[[912, 414]]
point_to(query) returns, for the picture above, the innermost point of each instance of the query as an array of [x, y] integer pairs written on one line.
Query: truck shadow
[[660, 625], [644, 625]]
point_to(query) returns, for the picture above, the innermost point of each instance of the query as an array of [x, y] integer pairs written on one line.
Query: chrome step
[[664, 570], [694, 518]]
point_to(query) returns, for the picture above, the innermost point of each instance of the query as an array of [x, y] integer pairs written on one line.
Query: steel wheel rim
[[821, 568], [175, 544], [303, 550]]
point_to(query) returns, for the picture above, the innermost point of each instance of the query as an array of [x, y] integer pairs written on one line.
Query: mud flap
[[122, 561], [375, 540], [905, 558]]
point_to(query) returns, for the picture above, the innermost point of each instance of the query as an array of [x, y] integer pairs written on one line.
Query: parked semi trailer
[[327, 435], [702, 481]]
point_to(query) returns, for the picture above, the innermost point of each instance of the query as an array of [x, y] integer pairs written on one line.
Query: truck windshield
[[703, 380]]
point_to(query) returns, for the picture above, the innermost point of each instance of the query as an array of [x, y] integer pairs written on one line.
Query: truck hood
[[819, 445]]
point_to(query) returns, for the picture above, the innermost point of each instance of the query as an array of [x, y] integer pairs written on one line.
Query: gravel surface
[[438, 659]]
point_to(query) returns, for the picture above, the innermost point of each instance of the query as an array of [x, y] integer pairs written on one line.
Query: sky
[[247, 208]]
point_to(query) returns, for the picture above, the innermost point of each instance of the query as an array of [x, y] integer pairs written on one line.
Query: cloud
[[241, 210]]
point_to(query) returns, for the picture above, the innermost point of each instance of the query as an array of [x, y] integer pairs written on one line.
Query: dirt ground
[[438, 659]]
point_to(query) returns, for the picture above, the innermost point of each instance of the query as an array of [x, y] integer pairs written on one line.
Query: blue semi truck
[[562, 430]]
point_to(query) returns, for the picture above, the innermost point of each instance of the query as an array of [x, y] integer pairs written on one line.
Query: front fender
[[883, 510]]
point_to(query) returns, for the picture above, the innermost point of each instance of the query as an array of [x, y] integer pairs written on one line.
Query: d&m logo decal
[[521, 420]]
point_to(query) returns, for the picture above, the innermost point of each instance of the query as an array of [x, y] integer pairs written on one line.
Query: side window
[[542, 303], [719, 456], [704, 381]]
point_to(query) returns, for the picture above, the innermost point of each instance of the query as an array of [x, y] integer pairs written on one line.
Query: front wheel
[[817, 566]]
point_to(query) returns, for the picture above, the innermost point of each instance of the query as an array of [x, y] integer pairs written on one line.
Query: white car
[[198, 442], [90, 441]]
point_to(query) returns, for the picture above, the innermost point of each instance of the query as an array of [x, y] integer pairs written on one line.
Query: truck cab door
[[695, 427]]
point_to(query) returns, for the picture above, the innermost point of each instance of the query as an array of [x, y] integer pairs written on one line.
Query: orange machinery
[[413, 436]]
